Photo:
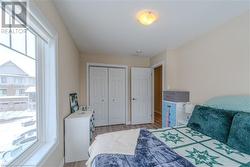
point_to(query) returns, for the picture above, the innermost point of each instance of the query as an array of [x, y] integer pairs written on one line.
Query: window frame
[[47, 92]]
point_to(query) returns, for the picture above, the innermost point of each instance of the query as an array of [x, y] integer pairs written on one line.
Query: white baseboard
[[61, 163]]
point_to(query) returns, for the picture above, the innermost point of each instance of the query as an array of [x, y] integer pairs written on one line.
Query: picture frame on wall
[[73, 102]]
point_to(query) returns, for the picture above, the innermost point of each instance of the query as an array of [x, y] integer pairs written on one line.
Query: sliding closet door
[[98, 83], [117, 112]]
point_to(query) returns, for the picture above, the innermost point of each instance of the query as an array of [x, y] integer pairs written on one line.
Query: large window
[[18, 119], [26, 90]]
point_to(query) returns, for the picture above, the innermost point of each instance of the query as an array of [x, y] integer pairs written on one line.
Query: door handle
[[133, 98], [102, 100]]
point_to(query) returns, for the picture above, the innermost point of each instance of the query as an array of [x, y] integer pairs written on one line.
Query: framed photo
[[73, 102]]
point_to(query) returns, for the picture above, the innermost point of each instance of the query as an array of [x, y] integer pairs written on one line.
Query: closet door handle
[[102, 100], [133, 98], [113, 100]]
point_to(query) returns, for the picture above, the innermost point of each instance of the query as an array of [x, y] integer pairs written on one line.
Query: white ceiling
[[110, 26]]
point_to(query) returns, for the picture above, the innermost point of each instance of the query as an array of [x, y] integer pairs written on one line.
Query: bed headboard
[[236, 103]]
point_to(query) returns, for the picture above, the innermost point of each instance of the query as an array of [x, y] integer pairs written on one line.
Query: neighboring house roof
[[10, 68]]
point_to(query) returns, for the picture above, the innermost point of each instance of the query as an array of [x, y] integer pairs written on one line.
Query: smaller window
[[3, 79], [3, 92], [18, 80], [20, 92]]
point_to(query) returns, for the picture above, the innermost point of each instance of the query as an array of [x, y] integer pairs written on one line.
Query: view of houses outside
[[17, 88], [18, 110], [18, 127]]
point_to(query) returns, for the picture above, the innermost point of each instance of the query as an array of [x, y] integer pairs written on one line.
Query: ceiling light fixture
[[146, 17]]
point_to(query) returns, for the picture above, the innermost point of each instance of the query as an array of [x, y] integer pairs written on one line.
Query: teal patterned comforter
[[201, 150]]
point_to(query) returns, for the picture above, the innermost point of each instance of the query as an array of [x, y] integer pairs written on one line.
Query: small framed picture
[[73, 102]]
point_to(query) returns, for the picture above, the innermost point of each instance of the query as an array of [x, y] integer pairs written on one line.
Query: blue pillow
[[239, 136], [212, 122]]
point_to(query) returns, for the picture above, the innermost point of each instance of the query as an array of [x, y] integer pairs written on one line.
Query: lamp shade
[[189, 107]]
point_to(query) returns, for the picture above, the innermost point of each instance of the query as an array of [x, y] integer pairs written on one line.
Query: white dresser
[[79, 128]]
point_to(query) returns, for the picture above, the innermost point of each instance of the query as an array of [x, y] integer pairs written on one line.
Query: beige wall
[[169, 60], [172, 69], [217, 63], [130, 61], [68, 71], [214, 64], [162, 59]]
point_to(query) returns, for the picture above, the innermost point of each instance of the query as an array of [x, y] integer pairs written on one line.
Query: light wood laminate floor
[[113, 128]]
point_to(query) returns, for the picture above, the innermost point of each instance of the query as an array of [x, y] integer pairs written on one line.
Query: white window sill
[[40, 154]]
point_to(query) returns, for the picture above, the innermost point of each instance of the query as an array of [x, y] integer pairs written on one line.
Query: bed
[[200, 149], [181, 146]]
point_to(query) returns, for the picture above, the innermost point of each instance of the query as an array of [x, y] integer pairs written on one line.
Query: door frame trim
[[89, 64], [161, 63]]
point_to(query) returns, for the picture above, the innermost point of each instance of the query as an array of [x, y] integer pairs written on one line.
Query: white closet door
[[141, 95], [98, 77], [117, 99]]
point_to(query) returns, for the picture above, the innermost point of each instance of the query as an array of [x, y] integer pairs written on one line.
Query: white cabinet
[[107, 95], [79, 128]]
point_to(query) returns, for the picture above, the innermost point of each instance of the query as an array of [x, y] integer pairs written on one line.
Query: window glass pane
[[8, 18], [3, 79], [31, 44], [17, 21], [20, 92], [3, 92], [4, 33], [18, 112], [18, 41], [5, 37]]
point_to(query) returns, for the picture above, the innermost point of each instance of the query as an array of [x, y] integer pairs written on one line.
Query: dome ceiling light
[[146, 17]]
